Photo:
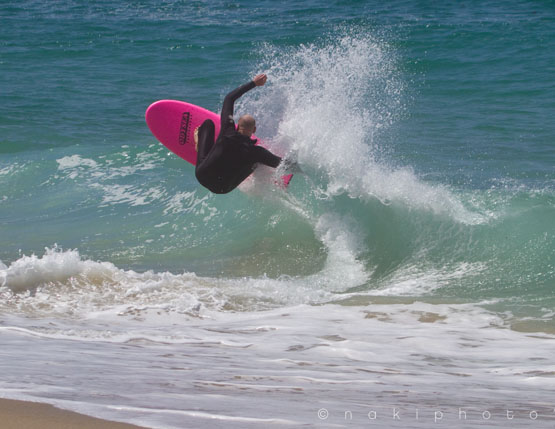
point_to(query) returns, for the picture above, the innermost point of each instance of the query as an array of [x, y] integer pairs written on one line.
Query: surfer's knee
[[208, 124]]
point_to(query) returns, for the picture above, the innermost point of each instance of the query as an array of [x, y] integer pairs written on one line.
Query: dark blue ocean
[[410, 267]]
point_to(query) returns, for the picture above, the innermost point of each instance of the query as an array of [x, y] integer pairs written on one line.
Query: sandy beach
[[34, 415]]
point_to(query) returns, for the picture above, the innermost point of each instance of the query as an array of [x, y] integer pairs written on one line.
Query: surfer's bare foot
[[195, 138]]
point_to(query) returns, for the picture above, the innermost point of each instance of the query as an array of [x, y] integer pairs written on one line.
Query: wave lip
[[28, 272], [61, 283], [334, 102]]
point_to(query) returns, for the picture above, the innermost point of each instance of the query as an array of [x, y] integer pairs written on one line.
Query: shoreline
[[16, 414]]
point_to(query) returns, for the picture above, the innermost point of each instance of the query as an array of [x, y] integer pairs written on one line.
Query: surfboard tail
[[285, 180]]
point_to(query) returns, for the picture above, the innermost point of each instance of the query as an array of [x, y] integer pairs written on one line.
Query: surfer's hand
[[288, 165], [260, 79]]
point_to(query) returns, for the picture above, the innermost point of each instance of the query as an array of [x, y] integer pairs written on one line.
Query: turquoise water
[[425, 132]]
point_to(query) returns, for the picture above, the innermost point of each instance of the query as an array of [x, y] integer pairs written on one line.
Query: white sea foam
[[73, 161], [128, 194], [417, 280], [202, 343], [189, 202], [104, 173], [290, 366], [108, 168], [5, 171]]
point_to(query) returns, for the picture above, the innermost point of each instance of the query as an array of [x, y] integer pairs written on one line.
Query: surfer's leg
[[206, 135]]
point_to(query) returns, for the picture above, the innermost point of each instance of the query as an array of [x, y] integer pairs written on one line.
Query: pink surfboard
[[174, 122]]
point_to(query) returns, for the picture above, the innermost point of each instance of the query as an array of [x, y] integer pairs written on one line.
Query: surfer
[[222, 164]]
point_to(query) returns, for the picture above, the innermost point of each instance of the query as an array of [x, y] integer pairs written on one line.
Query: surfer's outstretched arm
[[229, 100], [264, 156]]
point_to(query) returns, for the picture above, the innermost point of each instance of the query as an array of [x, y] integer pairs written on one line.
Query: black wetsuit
[[224, 164]]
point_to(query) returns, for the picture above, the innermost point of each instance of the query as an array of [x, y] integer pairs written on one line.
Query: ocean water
[[406, 279]]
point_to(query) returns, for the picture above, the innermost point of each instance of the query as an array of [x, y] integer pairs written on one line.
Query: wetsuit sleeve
[[229, 100], [265, 157]]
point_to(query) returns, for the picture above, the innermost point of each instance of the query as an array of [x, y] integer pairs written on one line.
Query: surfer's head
[[246, 125]]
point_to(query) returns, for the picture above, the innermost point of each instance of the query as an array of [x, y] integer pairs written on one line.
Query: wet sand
[[34, 415]]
